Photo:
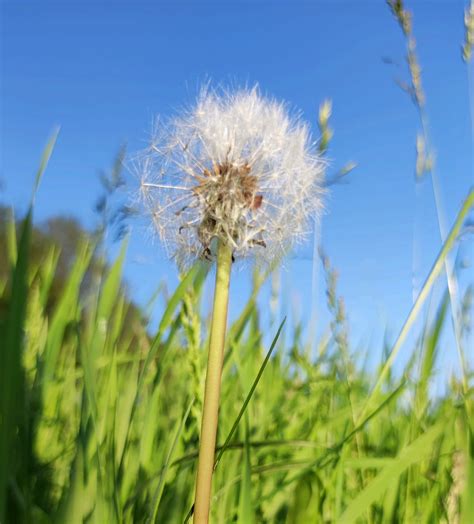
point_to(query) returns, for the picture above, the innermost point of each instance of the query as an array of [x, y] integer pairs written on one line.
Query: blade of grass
[[467, 515], [12, 406], [425, 290], [111, 285], [249, 395], [430, 349], [11, 238], [48, 272], [47, 152]]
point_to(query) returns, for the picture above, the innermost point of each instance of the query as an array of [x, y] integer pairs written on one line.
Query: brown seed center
[[231, 180]]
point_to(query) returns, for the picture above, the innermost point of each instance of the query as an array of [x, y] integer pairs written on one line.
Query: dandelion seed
[[236, 167]]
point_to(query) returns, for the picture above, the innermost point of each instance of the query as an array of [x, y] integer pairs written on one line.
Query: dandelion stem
[[207, 442]]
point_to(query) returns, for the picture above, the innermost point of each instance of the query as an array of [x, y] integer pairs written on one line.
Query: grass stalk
[[207, 442]]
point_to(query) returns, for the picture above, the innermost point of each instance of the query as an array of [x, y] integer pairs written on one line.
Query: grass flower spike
[[236, 171], [235, 167]]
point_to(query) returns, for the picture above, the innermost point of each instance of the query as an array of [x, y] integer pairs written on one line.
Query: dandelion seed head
[[236, 166]]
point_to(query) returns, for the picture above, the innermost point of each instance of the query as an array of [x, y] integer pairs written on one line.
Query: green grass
[[99, 419]]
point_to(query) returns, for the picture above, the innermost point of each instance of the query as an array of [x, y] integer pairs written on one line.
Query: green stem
[[207, 444]]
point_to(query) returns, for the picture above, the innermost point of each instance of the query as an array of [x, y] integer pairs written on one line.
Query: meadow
[[101, 418], [100, 415]]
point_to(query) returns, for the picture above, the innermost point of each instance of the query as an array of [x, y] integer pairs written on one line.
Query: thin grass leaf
[[47, 152], [425, 290], [12, 406], [467, 515], [11, 238], [430, 348], [47, 271], [111, 286], [249, 395]]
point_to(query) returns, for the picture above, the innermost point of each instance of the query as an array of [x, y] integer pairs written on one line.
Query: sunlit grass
[[100, 419]]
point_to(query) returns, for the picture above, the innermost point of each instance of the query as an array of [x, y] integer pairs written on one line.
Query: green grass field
[[100, 418]]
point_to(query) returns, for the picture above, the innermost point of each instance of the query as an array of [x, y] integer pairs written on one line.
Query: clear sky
[[103, 69]]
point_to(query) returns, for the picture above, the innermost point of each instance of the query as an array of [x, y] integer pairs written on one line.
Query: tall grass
[[100, 419]]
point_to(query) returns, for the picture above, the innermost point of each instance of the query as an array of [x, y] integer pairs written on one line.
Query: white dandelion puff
[[236, 167]]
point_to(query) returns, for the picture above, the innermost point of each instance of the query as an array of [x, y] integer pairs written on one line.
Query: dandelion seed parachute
[[236, 166]]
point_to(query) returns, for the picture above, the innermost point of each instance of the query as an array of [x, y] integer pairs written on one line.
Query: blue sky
[[103, 70]]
